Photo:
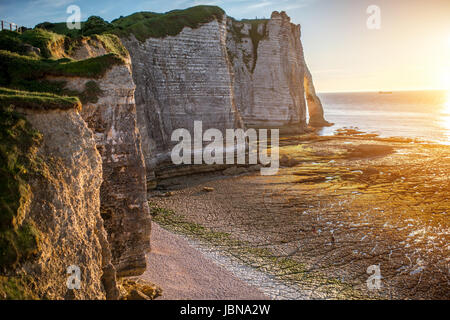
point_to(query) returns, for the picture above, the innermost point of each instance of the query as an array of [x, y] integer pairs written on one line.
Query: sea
[[423, 115]]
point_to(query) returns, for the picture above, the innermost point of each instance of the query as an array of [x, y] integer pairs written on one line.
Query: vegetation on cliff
[[16, 68], [255, 35], [19, 239], [27, 59], [45, 41], [27, 63], [143, 25], [37, 100]]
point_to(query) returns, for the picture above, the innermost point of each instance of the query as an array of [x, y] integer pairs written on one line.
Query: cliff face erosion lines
[[227, 73], [124, 207], [180, 79], [268, 68]]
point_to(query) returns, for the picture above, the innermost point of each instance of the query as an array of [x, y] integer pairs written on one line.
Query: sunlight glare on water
[[447, 104], [424, 115], [446, 116]]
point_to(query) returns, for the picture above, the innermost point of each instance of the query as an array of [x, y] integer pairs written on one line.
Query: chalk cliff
[[64, 207], [112, 118], [268, 67], [88, 203], [180, 79], [87, 206], [226, 73], [271, 77]]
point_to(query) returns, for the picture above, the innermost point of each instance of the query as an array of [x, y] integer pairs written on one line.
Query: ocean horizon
[[422, 114]]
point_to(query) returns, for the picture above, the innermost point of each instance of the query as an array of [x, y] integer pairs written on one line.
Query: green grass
[[37, 100], [19, 240], [23, 77], [42, 39], [144, 25], [51, 43], [152, 25], [112, 44], [60, 28], [27, 73], [15, 67]]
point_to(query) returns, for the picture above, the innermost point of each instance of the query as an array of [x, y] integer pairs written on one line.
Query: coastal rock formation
[[124, 207], [226, 73], [268, 66], [88, 203], [271, 77], [315, 109], [65, 209], [180, 79]]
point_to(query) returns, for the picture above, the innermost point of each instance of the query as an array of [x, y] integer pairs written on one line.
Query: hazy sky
[[410, 51]]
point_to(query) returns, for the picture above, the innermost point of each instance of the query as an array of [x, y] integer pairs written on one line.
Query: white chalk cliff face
[[228, 74], [123, 193], [180, 79], [269, 68]]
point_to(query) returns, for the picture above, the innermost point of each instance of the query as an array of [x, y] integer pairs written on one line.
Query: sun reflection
[[447, 104], [446, 113]]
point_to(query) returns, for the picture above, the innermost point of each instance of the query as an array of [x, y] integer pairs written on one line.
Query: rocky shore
[[338, 205]]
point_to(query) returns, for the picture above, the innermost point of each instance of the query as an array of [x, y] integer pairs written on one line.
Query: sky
[[410, 50]]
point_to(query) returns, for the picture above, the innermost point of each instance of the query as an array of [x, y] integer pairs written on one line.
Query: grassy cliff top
[[36, 100], [55, 45], [25, 69], [143, 25]]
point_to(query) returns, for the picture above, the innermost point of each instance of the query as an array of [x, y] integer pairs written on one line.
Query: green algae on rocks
[[263, 259]]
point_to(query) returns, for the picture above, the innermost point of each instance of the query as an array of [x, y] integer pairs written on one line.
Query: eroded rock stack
[[268, 66], [315, 109]]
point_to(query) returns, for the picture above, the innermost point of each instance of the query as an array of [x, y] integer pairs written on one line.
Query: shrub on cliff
[[95, 25]]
